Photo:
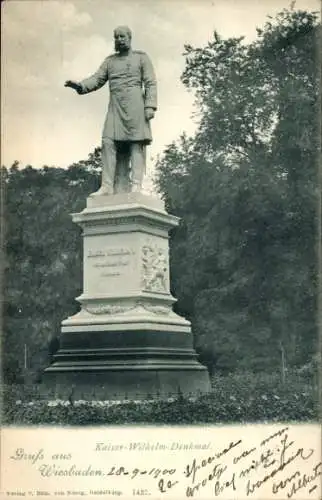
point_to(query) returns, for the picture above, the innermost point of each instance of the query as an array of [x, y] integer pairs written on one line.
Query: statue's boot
[[108, 167], [136, 187], [138, 163], [122, 178]]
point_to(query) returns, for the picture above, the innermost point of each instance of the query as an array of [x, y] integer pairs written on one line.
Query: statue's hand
[[73, 85], [149, 113]]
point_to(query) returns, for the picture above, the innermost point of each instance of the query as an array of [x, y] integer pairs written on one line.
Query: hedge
[[234, 399]]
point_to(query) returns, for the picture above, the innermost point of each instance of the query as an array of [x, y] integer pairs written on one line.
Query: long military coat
[[132, 86]]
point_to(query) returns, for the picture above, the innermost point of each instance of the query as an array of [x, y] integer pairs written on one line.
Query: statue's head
[[122, 38]]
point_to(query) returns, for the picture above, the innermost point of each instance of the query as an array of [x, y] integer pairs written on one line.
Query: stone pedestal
[[126, 340]]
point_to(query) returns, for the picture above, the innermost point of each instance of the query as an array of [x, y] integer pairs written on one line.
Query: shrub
[[234, 398]]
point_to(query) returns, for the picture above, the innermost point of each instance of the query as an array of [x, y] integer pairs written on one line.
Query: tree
[[43, 256], [245, 187]]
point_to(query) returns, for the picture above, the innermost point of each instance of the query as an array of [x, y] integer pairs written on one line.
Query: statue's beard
[[121, 46]]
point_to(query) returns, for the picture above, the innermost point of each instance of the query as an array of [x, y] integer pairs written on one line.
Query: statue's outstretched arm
[[96, 81]]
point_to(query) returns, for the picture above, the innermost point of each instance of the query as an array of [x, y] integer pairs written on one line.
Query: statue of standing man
[[133, 102]]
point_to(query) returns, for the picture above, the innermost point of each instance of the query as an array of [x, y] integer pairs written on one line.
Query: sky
[[46, 42]]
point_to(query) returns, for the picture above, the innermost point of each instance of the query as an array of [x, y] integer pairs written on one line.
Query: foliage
[[246, 189], [92, 164], [234, 398], [43, 260]]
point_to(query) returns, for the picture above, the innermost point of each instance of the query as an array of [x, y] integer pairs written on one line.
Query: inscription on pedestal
[[111, 261]]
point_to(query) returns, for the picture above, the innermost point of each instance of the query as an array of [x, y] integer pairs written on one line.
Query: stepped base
[[96, 363], [117, 384]]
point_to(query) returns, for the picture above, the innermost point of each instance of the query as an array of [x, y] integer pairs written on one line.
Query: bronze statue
[[133, 102]]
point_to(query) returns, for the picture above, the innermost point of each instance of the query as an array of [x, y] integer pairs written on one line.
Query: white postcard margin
[[265, 461]]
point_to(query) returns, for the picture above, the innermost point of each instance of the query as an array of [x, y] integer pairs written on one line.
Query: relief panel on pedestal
[[154, 267]]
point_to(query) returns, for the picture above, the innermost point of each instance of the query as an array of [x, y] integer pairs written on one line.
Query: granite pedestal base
[[126, 342], [127, 364]]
